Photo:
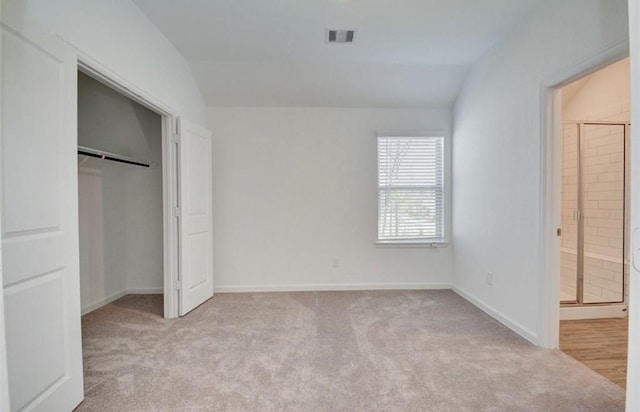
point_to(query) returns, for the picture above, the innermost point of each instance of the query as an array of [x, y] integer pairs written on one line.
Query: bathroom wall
[[602, 96]]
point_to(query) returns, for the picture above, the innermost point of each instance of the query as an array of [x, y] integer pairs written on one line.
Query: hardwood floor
[[601, 344]]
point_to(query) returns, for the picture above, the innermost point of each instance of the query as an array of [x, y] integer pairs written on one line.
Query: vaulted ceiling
[[273, 53]]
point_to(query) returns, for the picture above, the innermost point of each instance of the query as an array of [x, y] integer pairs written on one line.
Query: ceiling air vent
[[340, 36]]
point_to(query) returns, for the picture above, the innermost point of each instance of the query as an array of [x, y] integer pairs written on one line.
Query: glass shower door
[[569, 218], [603, 212], [592, 254]]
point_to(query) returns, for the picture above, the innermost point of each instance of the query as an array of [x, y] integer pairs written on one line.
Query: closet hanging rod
[[87, 151]]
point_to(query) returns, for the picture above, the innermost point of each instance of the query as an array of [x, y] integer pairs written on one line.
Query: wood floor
[[601, 344]]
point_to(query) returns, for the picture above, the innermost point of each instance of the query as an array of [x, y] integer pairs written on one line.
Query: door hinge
[[178, 285], [177, 212], [176, 138], [558, 232]]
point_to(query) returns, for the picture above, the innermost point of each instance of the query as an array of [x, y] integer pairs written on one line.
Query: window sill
[[436, 244]]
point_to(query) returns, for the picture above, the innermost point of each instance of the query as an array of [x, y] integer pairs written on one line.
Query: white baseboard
[[330, 287], [500, 317], [593, 312], [102, 302], [145, 291]]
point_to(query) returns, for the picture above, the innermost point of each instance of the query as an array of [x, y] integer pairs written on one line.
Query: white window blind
[[410, 189]]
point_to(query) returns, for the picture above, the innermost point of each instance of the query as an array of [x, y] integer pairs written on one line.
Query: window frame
[[444, 223]]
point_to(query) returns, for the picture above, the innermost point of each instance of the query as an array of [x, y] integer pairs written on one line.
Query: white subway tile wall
[[603, 208]]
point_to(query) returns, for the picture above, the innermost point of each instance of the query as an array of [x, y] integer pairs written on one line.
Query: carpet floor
[[326, 351]]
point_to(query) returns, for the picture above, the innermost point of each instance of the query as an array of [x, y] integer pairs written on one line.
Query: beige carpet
[[326, 351]]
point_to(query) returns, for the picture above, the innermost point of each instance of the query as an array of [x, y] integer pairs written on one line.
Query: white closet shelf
[[100, 154]]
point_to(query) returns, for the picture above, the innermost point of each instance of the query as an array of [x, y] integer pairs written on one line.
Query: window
[[410, 189]]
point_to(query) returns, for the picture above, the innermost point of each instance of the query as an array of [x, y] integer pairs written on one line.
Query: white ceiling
[[273, 53]]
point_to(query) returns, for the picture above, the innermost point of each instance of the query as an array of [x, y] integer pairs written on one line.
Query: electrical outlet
[[490, 278], [335, 263]]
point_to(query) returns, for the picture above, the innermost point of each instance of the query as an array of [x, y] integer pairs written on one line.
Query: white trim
[[170, 221], [4, 377], [549, 247], [593, 312], [499, 316], [132, 291], [102, 302], [331, 287], [549, 189], [609, 55], [144, 291], [111, 78], [412, 133], [412, 244], [633, 359]]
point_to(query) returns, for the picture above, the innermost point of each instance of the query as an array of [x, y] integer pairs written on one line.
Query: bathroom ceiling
[[274, 53]]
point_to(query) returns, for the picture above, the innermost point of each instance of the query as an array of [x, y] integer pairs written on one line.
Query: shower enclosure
[[594, 213]]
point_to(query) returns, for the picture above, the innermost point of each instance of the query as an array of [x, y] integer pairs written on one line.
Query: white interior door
[[196, 237], [40, 222]]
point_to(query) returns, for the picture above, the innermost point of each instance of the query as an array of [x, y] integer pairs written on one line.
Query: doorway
[[594, 223], [127, 164], [594, 217], [120, 191]]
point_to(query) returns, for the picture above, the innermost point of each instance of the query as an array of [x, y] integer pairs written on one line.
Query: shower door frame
[[579, 301]]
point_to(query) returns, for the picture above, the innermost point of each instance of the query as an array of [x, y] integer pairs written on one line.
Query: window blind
[[410, 189]]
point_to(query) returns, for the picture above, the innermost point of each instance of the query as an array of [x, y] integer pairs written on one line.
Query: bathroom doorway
[[594, 231], [594, 215]]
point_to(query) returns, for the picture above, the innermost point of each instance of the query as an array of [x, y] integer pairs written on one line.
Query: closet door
[[40, 222], [196, 237]]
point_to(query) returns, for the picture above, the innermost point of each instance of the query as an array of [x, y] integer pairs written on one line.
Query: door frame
[[4, 377], [633, 358], [168, 115], [550, 186]]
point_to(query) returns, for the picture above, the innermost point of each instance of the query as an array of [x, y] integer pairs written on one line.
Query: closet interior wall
[[120, 205]]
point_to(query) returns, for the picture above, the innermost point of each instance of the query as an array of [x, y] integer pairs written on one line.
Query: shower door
[[593, 213]]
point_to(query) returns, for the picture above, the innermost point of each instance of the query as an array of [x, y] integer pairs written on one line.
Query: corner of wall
[[496, 193], [521, 330]]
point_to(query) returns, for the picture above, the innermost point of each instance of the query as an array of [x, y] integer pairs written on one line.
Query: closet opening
[[127, 228]]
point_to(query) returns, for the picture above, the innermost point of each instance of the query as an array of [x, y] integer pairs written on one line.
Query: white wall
[[497, 157], [295, 188], [120, 206], [116, 34]]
